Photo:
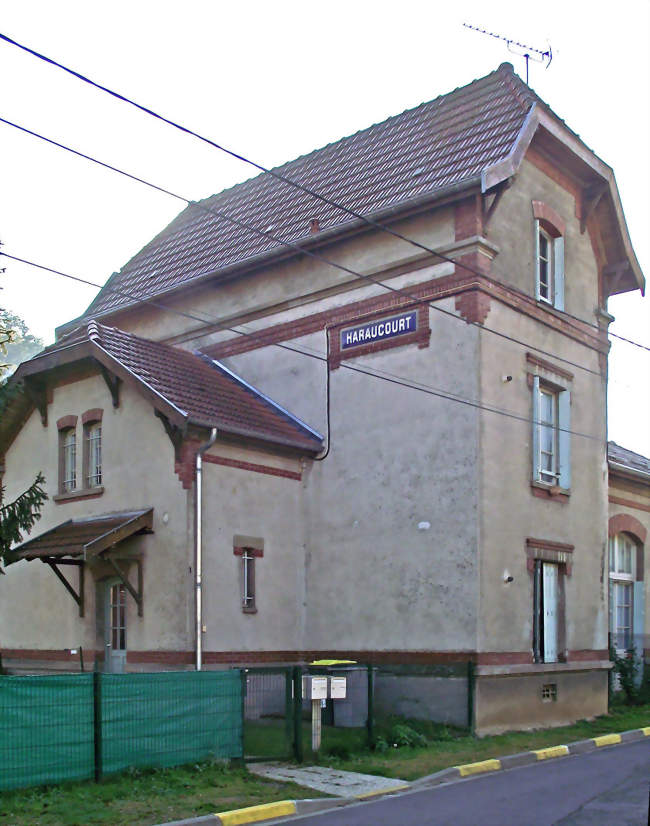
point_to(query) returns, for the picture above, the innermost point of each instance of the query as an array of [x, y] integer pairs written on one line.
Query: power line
[[629, 341], [260, 167], [392, 379], [291, 244]]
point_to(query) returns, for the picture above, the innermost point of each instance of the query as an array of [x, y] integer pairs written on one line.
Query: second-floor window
[[69, 459], [551, 434], [93, 454]]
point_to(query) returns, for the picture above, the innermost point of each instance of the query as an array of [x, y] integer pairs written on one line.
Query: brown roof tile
[[201, 390], [445, 142]]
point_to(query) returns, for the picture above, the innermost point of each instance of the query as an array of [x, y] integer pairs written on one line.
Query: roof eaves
[[504, 169]]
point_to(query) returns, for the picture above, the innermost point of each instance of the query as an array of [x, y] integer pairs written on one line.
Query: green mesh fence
[[169, 718], [46, 729], [79, 726]]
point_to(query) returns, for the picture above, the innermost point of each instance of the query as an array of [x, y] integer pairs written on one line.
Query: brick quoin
[[468, 218], [185, 463]]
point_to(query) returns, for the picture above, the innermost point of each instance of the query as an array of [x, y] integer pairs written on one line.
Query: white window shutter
[[638, 617], [558, 272], [536, 415], [549, 576], [537, 293], [564, 440]]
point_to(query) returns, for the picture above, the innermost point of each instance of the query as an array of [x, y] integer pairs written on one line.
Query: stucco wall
[[512, 229], [137, 459]]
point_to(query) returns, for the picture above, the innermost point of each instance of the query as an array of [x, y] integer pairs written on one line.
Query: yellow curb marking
[[253, 814], [646, 731], [551, 751], [388, 790], [607, 739], [478, 768]]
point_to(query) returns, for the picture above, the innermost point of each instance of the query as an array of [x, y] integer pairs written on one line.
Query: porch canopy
[[76, 541]]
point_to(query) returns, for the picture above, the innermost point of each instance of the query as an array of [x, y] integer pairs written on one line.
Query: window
[[551, 436], [93, 454], [248, 555], [549, 263], [622, 569], [546, 588], [68, 442]]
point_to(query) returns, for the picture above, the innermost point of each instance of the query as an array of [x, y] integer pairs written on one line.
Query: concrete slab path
[[330, 781]]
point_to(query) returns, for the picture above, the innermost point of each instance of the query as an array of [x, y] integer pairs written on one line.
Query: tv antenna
[[520, 49]]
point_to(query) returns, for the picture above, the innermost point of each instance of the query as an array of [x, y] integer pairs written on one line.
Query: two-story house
[[371, 426]]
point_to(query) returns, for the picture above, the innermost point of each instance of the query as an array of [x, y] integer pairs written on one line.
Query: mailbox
[[314, 688], [338, 688]]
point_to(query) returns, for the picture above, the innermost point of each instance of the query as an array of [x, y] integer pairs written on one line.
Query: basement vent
[[549, 693]]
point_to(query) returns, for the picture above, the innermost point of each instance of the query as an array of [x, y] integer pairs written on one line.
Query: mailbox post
[[318, 689]]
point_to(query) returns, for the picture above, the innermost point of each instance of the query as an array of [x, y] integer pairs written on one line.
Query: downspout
[[198, 545]]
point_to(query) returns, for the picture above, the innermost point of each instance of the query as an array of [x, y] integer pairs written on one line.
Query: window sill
[[75, 495], [553, 493], [251, 609]]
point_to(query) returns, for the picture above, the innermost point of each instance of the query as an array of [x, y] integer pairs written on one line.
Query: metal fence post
[[297, 713], [371, 707], [97, 722], [471, 683]]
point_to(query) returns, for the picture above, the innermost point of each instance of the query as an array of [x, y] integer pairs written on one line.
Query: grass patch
[[143, 798], [457, 746]]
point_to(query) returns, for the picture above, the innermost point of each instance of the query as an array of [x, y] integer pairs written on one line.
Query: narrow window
[[247, 555], [548, 436], [622, 559], [93, 433], [551, 434], [545, 612], [545, 267], [69, 459]]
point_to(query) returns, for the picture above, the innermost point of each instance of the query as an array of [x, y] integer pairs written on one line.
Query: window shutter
[[558, 262], [564, 440], [537, 293], [638, 618], [536, 414]]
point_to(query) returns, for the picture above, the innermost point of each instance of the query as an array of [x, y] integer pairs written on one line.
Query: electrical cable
[[291, 244], [260, 167], [443, 394]]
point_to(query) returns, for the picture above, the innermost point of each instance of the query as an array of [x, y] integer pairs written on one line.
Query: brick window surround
[[80, 490]]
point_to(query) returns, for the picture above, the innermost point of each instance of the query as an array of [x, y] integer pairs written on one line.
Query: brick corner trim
[[624, 522], [66, 422]]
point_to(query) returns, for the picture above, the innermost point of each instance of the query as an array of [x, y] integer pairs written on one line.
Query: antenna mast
[[527, 52]]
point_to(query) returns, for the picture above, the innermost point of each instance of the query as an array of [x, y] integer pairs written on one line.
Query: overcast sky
[[273, 80]]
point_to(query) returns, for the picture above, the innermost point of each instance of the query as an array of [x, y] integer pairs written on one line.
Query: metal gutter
[[198, 546], [629, 471]]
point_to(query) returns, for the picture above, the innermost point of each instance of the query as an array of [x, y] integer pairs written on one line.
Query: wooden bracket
[[614, 275], [173, 431], [488, 211], [113, 383], [54, 563], [590, 198], [138, 595], [37, 393]]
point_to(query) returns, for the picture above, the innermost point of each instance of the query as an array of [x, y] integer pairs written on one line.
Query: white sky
[[273, 81]]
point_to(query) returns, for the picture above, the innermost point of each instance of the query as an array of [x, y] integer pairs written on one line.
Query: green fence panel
[[170, 718], [46, 729]]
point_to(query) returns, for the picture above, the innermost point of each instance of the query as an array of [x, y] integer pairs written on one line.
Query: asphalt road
[[608, 787]]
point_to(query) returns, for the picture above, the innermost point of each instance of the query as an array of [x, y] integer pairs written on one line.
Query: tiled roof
[[621, 456], [87, 536], [201, 390], [418, 153]]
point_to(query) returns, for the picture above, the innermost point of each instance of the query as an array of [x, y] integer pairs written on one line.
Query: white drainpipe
[[198, 549]]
